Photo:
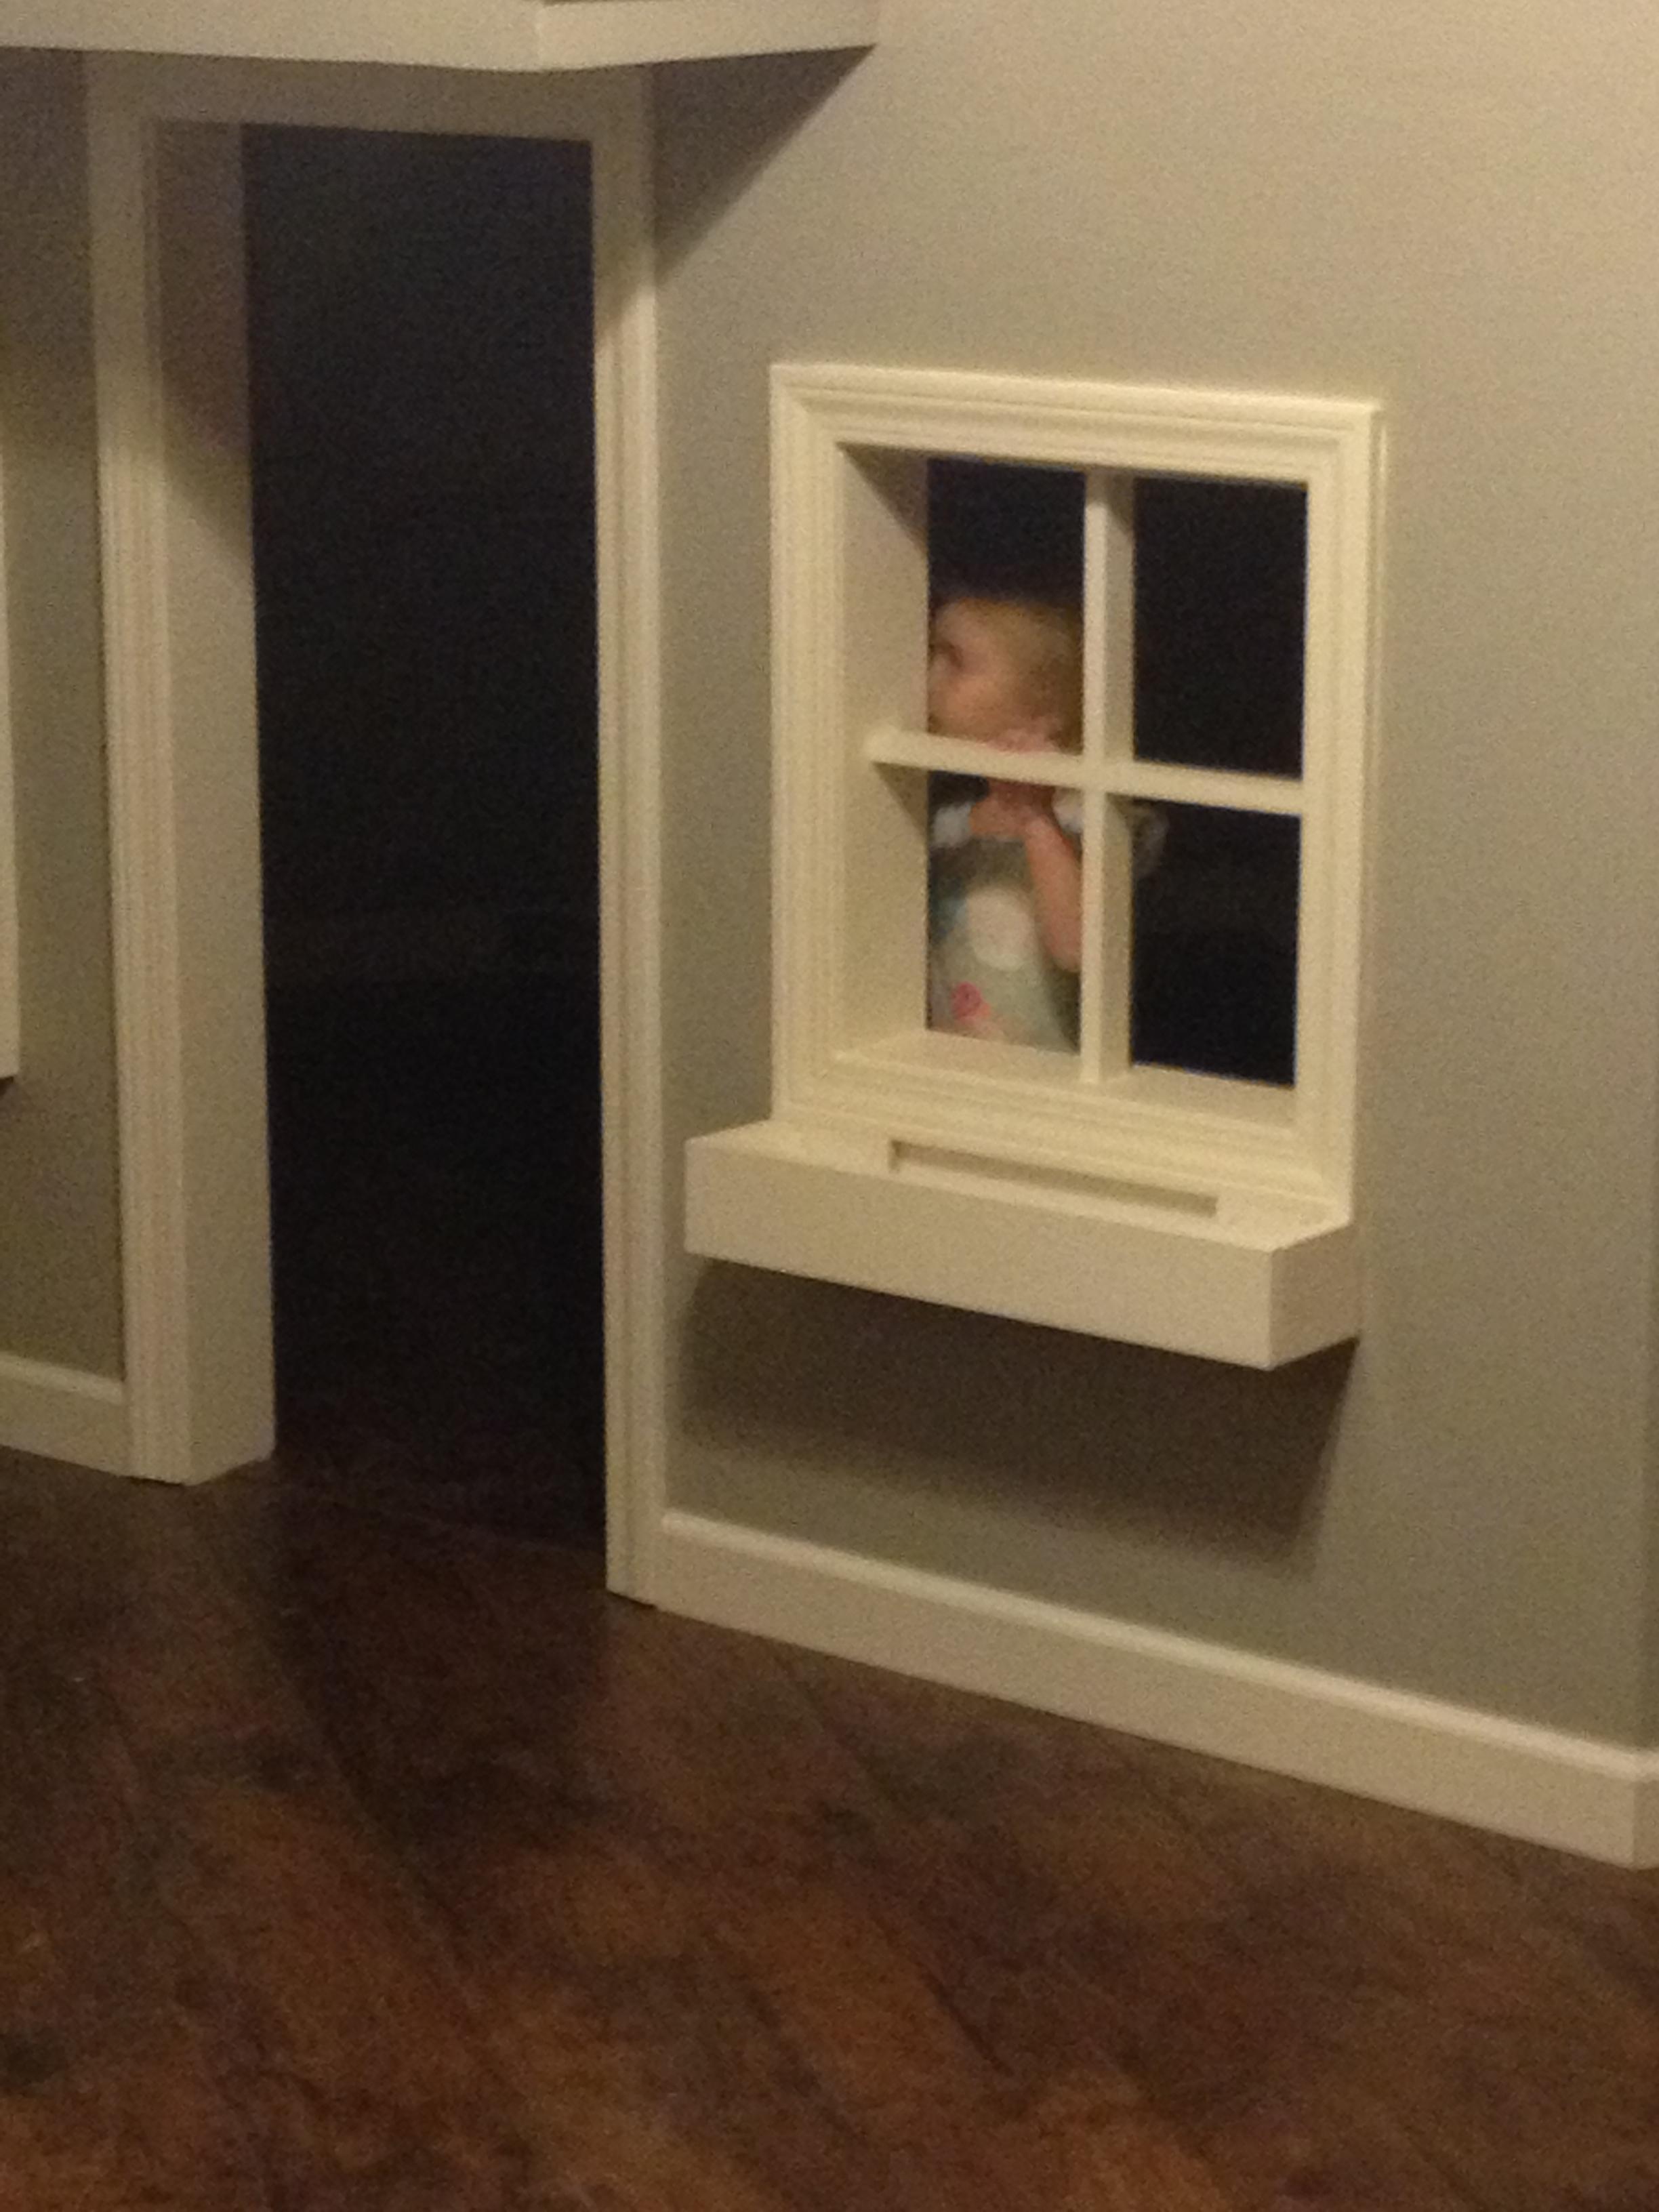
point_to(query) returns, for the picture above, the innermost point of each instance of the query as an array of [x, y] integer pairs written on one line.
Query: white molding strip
[[139, 725], [1543, 1785], [631, 838], [56, 1413]]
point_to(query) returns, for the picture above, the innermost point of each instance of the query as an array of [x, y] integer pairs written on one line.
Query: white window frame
[[1090, 1141]]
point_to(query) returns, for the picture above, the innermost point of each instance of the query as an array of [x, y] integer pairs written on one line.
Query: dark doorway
[[421, 343]]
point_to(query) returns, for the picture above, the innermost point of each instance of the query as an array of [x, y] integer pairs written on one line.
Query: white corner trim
[[630, 840], [1576, 1793], [55, 1413]]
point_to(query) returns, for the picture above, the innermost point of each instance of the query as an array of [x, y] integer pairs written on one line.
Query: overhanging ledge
[[471, 34]]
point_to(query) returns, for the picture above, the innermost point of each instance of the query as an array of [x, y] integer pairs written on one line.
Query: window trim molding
[[824, 414]]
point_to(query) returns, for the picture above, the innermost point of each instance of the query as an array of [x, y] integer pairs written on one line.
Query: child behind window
[[1005, 878]]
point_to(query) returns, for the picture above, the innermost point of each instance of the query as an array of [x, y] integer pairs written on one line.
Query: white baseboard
[[56, 1413], [1574, 1792]]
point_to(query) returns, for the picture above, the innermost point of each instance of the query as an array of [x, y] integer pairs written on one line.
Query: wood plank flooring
[[354, 1862]]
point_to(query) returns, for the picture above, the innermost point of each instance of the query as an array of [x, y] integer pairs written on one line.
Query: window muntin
[[1179, 965]]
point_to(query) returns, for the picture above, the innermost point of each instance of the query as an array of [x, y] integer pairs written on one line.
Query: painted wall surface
[[1449, 211], [59, 1239], [1452, 212]]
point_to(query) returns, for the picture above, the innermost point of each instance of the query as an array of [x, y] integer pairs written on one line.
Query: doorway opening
[[421, 371]]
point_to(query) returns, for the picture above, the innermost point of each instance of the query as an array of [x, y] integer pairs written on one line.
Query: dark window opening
[[1005, 555], [1002, 530], [1220, 617], [1215, 943]]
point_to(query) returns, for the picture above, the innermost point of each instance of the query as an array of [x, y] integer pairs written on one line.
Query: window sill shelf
[[1237, 1276]]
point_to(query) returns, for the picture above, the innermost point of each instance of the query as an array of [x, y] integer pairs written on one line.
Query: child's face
[[976, 687]]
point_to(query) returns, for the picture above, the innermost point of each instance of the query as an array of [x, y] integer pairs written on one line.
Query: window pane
[[1215, 927], [1004, 563], [1001, 530], [1220, 612], [1003, 912]]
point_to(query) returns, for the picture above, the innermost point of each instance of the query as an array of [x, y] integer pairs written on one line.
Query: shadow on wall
[[998, 1413], [730, 117]]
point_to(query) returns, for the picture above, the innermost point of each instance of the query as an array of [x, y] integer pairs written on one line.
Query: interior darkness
[[1214, 958], [1220, 616], [421, 344], [1220, 625], [1003, 530]]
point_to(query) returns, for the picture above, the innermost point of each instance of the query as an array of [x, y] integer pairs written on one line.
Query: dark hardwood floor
[[359, 1854], [355, 1861]]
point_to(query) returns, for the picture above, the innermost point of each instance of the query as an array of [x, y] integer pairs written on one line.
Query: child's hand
[[1018, 803]]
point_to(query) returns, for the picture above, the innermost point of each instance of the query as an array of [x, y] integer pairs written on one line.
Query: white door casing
[[169, 337]]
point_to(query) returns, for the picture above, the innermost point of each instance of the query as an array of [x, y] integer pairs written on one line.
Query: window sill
[[1252, 1278], [1054, 1081], [1149, 1125]]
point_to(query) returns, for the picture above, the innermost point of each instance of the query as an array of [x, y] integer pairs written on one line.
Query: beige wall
[[1451, 211], [59, 1250]]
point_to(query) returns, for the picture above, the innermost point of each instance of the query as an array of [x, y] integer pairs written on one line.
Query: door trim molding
[[191, 1409]]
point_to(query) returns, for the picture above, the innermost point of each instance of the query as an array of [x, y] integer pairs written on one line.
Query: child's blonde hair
[[1045, 638]]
